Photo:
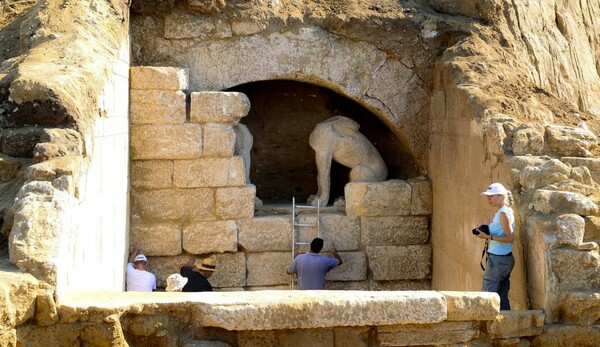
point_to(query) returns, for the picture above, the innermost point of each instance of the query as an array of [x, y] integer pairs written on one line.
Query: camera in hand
[[483, 228]]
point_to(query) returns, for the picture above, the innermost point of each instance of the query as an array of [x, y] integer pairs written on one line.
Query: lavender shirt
[[311, 269]]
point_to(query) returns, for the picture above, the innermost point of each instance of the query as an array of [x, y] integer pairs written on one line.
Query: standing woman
[[500, 260]]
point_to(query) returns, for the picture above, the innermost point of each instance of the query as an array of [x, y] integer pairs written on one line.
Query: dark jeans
[[496, 278]]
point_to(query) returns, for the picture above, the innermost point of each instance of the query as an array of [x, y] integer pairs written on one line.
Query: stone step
[[582, 308], [511, 324]]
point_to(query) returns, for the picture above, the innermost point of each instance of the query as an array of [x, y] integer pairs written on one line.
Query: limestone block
[[571, 141], [394, 231], [8, 337], [351, 336], [186, 25], [235, 203], [155, 77], [156, 107], [209, 172], [157, 238], [151, 174], [8, 168], [566, 335], [46, 313], [389, 198], [242, 28], [347, 285], [306, 337], [250, 338], [582, 174], [575, 269], [210, 237], [400, 285], [231, 270], [173, 204], [447, 333], [218, 107], [539, 176], [400, 262], [17, 298], [559, 229], [592, 229], [528, 139], [219, 140], [269, 268], [56, 143], [166, 141], [422, 196], [582, 308], [53, 335], [593, 164], [265, 234], [162, 267], [548, 201], [354, 268], [516, 324], [338, 229], [572, 186], [471, 306]]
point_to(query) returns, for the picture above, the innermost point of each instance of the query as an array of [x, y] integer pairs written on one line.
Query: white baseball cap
[[140, 257], [495, 189]]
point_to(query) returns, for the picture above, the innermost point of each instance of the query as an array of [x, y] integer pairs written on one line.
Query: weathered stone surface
[[8, 168], [173, 204], [157, 238], [427, 334], [566, 335], [46, 313], [156, 107], [269, 268], [347, 285], [394, 231], [162, 267], [219, 140], [54, 335], [571, 141], [166, 141], [210, 237], [209, 172], [352, 336], [151, 174], [218, 107], [265, 234], [257, 338], [528, 139], [235, 203], [592, 229], [399, 262], [471, 306], [158, 77], [422, 196], [551, 171], [338, 229], [56, 143], [8, 337], [593, 164], [559, 229], [19, 142], [231, 270], [582, 174], [186, 25], [18, 292], [548, 201], [400, 285], [581, 308], [573, 186], [309, 337], [516, 324], [575, 269], [389, 198], [353, 269]]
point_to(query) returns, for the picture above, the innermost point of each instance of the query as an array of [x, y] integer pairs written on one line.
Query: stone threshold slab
[[265, 310]]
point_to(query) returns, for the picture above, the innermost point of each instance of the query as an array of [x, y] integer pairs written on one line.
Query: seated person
[[197, 274]]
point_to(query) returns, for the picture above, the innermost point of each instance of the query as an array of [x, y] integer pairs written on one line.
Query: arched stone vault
[[385, 86]]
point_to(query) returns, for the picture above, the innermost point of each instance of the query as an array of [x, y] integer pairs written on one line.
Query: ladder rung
[[302, 243], [306, 224], [306, 206]]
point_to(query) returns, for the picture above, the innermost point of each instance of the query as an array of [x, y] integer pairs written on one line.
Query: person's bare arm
[[336, 255], [135, 251], [189, 263]]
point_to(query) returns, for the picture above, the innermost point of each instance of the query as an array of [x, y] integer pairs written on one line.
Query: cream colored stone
[[265, 234], [235, 203], [539, 176], [278, 287], [516, 324], [46, 313], [162, 267], [208, 172], [210, 237], [399, 262], [338, 229], [54, 335], [592, 229], [157, 238], [571, 141], [269, 268], [230, 272], [151, 174], [421, 196], [566, 335], [389, 198], [166, 141], [581, 308], [17, 298], [471, 306], [400, 285], [156, 107], [186, 25], [156, 77], [219, 140], [8, 337], [347, 285], [307, 337], [548, 201], [394, 231], [179, 205], [354, 268], [239, 28], [562, 229], [575, 269], [218, 107], [593, 164], [427, 334], [528, 139], [572, 186]]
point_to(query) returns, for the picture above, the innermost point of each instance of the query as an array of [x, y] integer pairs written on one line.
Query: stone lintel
[[470, 306]]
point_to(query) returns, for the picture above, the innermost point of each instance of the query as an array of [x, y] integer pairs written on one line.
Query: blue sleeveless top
[[497, 247]]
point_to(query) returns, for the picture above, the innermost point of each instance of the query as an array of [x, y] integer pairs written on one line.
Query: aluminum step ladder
[[297, 239]]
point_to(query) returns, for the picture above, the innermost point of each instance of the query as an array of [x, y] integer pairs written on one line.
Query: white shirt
[[139, 280]]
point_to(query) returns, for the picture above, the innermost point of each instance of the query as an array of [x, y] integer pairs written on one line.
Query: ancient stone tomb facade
[[190, 197]]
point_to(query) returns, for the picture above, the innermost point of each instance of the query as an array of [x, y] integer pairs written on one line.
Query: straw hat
[[207, 264], [176, 282]]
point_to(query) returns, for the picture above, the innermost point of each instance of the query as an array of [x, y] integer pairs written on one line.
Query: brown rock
[[8, 168], [210, 237], [510, 324], [19, 142]]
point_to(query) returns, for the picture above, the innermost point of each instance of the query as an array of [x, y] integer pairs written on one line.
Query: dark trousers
[[496, 278]]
